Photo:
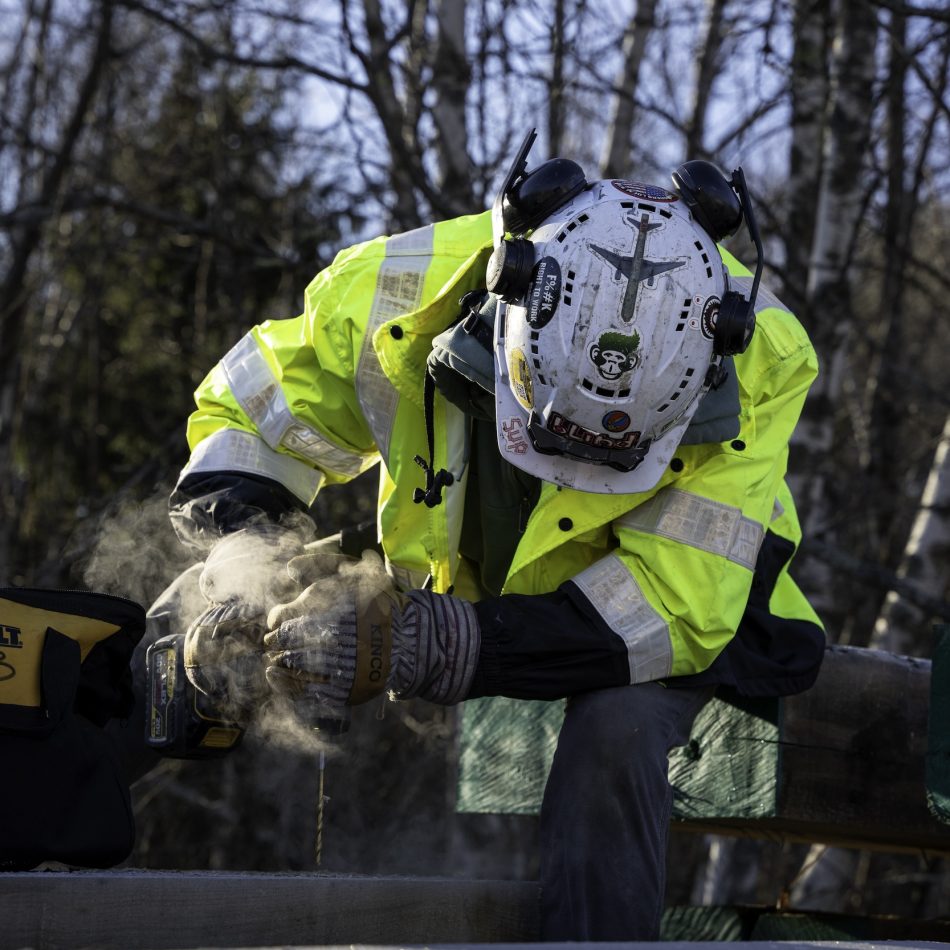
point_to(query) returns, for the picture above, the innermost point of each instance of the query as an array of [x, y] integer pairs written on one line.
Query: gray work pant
[[606, 812]]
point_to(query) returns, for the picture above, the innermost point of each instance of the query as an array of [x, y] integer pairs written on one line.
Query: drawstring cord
[[470, 307], [435, 480]]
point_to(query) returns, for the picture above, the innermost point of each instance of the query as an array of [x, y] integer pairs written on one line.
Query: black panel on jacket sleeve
[[769, 655], [541, 646], [205, 505]]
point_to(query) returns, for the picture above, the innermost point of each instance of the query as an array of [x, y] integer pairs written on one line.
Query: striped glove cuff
[[435, 648]]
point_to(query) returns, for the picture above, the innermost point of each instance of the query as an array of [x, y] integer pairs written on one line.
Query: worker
[[582, 408]]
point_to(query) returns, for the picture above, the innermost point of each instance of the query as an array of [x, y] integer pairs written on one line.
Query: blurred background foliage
[[173, 172]]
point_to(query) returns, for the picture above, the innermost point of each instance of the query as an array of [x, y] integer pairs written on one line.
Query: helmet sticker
[[636, 268], [545, 293], [710, 313], [520, 376], [637, 189], [616, 421], [562, 426], [615, 354], [516, 439]]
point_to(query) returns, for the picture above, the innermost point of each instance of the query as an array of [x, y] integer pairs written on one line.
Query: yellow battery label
[[220, 737]]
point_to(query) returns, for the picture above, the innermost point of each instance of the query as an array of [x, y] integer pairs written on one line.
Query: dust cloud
[[136, 554]]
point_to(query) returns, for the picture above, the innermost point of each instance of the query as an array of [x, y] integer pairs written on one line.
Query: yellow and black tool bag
[[64, 673]]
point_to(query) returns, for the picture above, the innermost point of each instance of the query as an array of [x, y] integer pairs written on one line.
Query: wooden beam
[[175, 910], [843, 763], [752, 923], [168, 910]]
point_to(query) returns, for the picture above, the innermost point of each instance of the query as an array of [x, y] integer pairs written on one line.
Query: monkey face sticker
[[615, 354]]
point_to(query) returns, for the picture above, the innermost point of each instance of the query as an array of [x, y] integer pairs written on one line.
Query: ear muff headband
[[719, 205], [525, 200]]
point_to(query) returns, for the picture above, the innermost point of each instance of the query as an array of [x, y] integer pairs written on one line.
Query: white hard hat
[[604, 333]]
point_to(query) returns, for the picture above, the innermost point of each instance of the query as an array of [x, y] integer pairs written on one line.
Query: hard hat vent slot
[[699, 247], [603, 390], [651, 209], [684, 315], [580, 219], [690, 371]]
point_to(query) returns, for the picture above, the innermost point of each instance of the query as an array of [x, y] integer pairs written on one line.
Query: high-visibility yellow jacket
[[320, 398]]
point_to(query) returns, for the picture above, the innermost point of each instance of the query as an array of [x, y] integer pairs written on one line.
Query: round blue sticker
[[616, 421]]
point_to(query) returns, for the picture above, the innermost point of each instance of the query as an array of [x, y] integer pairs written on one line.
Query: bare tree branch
[[230, 56]]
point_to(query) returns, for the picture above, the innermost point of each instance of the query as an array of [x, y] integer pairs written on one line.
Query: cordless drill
[[184, 723]]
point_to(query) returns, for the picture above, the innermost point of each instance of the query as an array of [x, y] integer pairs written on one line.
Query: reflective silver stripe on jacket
[[231, 450], [404, 577], [700, 522], [398, 291], [764, 298], [256, 389], [615, 595]]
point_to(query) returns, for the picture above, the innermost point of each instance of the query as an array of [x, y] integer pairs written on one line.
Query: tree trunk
[[405, 168], [903, 627], [824, 506], [556, 97], [707, 66], [809, 94], [13, 291], [829, 875], [450, 79], [889, 400], [616, 160]]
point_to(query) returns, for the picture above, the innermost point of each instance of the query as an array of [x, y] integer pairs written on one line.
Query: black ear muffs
[[719, 205], [509, 268], [709, 195], [735, 325], [525, 200], [541, 192]]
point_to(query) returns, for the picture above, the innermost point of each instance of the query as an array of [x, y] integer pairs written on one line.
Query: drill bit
[[321, 801]]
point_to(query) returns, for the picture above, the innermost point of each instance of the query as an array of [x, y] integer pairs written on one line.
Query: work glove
[[318, 560], [352, 636], [245, 575]]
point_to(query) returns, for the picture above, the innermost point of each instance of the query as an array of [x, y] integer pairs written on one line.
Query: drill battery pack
[[181, 721]]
